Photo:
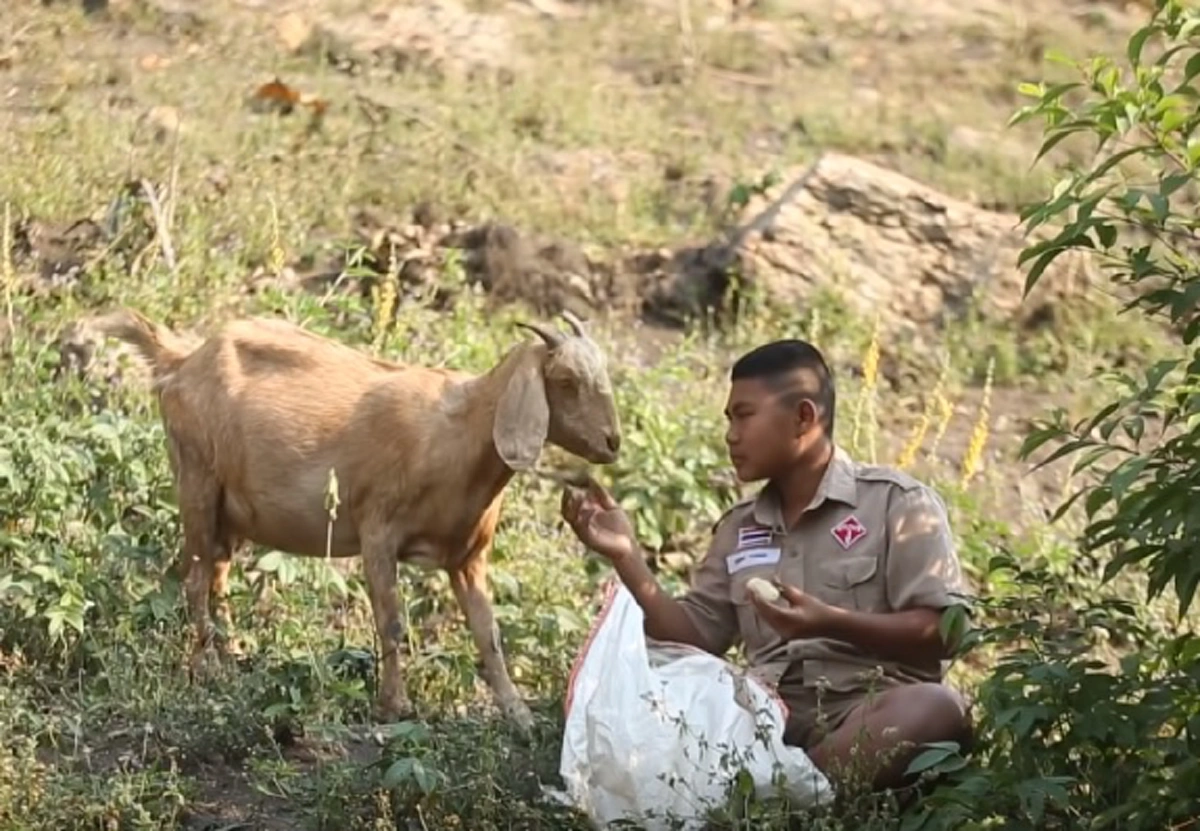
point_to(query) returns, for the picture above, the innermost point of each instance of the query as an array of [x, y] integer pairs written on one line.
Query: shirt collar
[[838, 483]]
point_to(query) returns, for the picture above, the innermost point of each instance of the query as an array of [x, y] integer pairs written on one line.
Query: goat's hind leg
[[199, 502], [470, 588], [379, 570], [227, 547]]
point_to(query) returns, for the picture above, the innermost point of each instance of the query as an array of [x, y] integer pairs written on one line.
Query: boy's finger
[[600, 494], [793, 594], [571, 504]]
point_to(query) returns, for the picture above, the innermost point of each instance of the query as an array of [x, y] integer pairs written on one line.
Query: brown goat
[[257, 416]]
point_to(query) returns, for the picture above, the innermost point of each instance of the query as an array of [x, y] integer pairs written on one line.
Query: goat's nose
[[614, 442]]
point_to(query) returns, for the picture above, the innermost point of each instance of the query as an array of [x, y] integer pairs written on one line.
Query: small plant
[[1089, 717]]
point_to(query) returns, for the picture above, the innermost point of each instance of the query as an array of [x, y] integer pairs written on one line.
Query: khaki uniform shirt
[[873, 539]]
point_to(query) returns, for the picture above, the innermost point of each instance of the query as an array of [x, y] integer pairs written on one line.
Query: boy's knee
[[940, 712]]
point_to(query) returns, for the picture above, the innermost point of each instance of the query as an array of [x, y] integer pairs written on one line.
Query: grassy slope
[[107, 731]]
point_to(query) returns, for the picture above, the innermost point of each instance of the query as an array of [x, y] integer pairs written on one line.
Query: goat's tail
[[161, 348]]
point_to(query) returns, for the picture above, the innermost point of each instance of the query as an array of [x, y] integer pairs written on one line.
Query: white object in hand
[[765, 591]]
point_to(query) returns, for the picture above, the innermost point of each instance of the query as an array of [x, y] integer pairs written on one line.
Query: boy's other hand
[[598, 521]]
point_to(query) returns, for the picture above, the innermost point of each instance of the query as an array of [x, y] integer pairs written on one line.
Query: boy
[[862, 555]]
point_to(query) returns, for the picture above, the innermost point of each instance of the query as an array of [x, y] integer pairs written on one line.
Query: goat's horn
[[576, 323], [553, 339]]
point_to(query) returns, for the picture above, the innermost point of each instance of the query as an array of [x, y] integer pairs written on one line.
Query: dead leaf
[[279, 97]]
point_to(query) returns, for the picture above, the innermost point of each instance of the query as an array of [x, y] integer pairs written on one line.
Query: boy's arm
[[923, 571], [704, 617]]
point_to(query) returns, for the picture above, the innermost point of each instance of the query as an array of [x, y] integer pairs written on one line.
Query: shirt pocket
[[854, 583], [756, 633]]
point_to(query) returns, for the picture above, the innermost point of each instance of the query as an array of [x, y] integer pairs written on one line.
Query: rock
[[164, 122], [295, 32], [887, 243], [439, 36]]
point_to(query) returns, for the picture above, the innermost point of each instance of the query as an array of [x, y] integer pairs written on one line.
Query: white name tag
[[751, 557]]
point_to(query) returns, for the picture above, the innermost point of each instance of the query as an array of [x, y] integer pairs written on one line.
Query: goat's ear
[[522, 415]]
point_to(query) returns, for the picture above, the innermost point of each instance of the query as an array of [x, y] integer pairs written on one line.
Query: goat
[[258, 414]]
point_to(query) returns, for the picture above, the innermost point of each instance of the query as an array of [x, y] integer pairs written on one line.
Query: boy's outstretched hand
[[803, 617], [598, 521]]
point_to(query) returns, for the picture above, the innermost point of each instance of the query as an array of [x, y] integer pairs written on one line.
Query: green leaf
[[1106, 234], [425, 777], [1191, 69], [1052, 142], [1097, 499], [1066, 449], [1167, 54], [1159, 206], [1066, 504], [414, 732], [271, 561], [952, 623], [1161, 369], [1169, 184], [398, 772], [1135, 428], [1089, 459], [1042, 263], [1057, 91], [1134, 49], [1172, 120], [937, 753], [1036, 439]]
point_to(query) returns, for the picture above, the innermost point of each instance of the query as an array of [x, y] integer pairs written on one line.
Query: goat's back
[[270, 408], [275, 365]]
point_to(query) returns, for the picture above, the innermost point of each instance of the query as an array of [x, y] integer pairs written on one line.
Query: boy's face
[[768, 430]]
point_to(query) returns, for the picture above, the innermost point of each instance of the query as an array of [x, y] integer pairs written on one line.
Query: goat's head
[[561, 394]]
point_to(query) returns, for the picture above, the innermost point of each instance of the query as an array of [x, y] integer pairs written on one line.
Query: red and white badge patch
[[849, 531]]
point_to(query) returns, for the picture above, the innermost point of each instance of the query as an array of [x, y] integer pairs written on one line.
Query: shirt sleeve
[[923, 568], [708, 603]]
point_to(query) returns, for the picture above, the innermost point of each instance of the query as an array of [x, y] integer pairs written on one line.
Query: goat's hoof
[[230, 650], [205, 665], [520, 717]]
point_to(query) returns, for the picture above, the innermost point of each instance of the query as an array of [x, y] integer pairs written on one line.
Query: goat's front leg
[[379, 570], [470, 588]]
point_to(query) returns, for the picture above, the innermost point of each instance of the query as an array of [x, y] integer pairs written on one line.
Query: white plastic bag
[[650, 729]]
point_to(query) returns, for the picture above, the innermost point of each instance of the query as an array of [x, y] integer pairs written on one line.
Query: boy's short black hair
[[795, 366]]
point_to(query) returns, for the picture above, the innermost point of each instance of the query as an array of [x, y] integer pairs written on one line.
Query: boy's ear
[[808, 414]]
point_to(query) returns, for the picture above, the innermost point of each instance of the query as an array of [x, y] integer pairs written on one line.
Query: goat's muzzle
[[605, 453]]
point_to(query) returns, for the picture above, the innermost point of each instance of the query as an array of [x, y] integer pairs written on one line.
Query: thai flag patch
[[753, 537]]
